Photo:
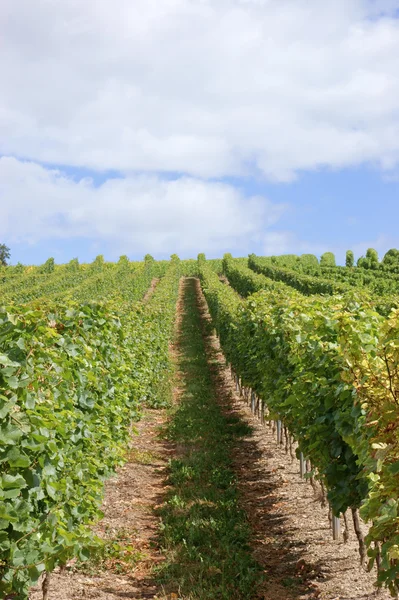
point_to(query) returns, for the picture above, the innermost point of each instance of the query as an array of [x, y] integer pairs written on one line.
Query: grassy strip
[[204, 533]]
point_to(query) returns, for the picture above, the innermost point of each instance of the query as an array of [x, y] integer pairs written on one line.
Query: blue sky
[[226, 125]]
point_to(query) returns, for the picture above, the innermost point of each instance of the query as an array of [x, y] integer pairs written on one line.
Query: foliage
[[72, 378], [189, 268], [382, 284], [370, 261], [372, 359], [327, 260], [304, 283], [308, 260], [244, 280], [391, 258], [48, 266], [285, 260], [98, 263], [327, 367], [124, 261], [350, 259], [73, 264], [372, 258], [5, 255]]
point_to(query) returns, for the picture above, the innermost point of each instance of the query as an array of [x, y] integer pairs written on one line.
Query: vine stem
[[346, 530], [359, 535], [46, 586]]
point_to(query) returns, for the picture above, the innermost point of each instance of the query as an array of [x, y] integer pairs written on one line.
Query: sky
[[187, 126]]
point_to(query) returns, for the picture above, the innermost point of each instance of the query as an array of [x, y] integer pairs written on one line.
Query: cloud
[[208, 88], [185, 215]]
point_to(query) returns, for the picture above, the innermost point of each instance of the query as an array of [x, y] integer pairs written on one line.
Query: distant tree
[[327, 260], [4, 255], [350, 258]]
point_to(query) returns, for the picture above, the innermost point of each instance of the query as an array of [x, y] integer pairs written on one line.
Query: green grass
[[204, 533]]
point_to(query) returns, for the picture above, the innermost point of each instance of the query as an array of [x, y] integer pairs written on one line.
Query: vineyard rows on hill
[[82, 352], [327, 367]]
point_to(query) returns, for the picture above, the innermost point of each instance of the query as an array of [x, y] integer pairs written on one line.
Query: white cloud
[[186, 215], [202, 87]]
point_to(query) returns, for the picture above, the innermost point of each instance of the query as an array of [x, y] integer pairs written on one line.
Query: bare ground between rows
[[291, 535]]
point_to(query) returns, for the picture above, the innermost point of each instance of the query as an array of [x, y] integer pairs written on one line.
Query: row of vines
[[74, 373], [327, 366]]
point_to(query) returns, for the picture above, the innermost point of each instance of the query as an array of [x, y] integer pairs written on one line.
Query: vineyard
[[85, 350]]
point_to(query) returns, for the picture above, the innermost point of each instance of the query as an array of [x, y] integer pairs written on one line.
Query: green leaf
[[16, 458], [13, 481], [394, 468]]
